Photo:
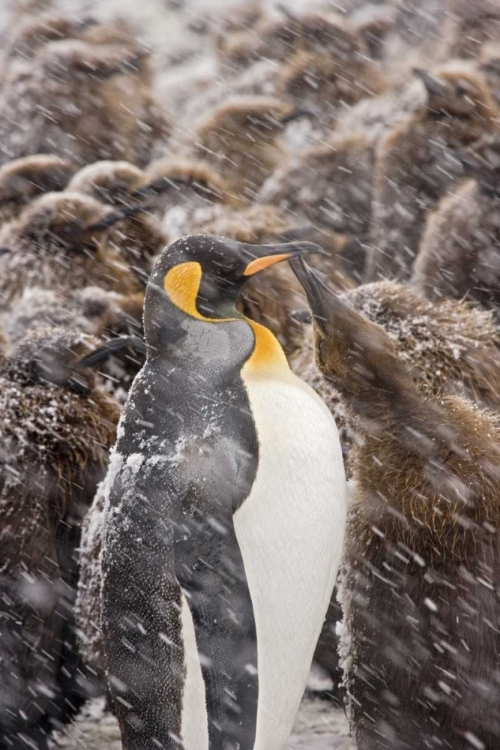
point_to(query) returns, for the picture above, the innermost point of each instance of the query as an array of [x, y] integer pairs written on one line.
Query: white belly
[[290, 531]]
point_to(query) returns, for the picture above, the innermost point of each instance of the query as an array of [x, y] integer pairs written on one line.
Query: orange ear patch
[[260, 263], [181, 284]]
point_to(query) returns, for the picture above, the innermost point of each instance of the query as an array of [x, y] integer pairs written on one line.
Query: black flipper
[[111, 348]]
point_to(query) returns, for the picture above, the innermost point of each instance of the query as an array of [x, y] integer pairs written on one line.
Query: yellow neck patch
[[182, 283]]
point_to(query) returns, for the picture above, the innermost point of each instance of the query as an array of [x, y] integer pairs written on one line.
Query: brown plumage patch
[[56, 434], [330, 186], [469, 26], [112, 182], [418, 162], [326, 34], [460, 246], [23, 180], [165, 177], [241, 139], [449, 348], [138, 238], [326, 85], [421, 568], [489, 67], [59, 243], [92, 311], [86, 101]]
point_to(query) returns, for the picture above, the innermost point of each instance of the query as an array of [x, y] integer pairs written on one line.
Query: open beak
[[264, 256], [320, 298], [433, 84]]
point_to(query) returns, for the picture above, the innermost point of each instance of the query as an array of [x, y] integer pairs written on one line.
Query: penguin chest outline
[[290, 532]]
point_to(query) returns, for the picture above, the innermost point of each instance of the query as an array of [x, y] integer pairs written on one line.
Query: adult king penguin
[[224, 519]]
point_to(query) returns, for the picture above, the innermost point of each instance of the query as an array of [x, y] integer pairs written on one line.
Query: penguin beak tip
[[277, 253]]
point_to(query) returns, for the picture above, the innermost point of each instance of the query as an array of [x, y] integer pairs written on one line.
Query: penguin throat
[[182, 284], [267, 357]]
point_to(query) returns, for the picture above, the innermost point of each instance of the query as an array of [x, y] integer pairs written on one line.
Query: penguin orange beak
[[269, 255]]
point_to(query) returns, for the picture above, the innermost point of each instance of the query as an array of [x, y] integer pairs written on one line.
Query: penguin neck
[[268, 358]]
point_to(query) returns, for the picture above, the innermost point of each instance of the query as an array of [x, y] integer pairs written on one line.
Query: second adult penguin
[[224, 519]]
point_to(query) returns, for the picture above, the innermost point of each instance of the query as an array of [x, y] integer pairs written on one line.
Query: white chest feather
[[290, 531]]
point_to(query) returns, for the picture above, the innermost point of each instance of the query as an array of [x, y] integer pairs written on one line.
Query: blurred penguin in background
[[56, 431], [81, 101], [459, 254], [419, 161], [60, 242], [23, 180]]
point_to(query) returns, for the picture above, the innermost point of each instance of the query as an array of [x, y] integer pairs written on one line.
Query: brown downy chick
[[489, 67], [379, 115], [27, 37], [34, 32], [92, 311], [232, 31], [331, 187], [324, 68], [241, 140], [449, 347], [176, 188], [113, 182], [470, 25], [419, 584], [374, 23], [326, 86], [165, 178], [459, 254], [56, 432], [108, 316], [419, 161], [82, 101], [60, 242], [280, 38], [327, 35], [138, 238], [23, 180]]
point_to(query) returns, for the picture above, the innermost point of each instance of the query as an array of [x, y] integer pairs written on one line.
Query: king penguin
[[224, 516]]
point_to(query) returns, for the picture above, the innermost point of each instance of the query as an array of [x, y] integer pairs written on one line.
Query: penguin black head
[[201, 276]]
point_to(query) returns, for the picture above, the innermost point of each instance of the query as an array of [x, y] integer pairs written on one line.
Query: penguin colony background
[[250, 365]]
